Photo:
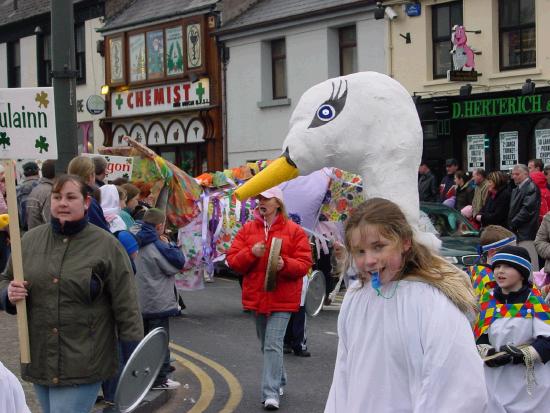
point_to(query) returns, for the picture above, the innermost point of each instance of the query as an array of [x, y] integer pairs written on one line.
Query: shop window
[[347, 40], [80, 53], [444, 17], [190, 158], [45, 60], [14, 64], [278, 68], [517, 34]]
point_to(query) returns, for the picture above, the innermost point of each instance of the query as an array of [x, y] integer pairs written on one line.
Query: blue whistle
[[375, 281]]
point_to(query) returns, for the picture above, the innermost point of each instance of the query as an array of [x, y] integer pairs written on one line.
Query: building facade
[[500, 118], [25, 56], [277, 49], [163, 72]]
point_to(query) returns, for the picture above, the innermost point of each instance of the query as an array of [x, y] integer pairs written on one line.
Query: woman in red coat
[[248, 255]]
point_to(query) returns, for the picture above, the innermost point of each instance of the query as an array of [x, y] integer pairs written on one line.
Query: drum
[[271, 272], [315, 295]]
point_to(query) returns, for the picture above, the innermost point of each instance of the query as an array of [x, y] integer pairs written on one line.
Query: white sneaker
[[167, 385], [281, 391], [271, 404]]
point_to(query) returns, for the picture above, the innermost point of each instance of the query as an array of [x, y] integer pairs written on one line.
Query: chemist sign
[[476, 151], [542, 143], [27, 123], [508, 149]]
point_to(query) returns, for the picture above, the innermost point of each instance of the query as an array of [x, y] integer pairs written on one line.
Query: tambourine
[[271, 272]]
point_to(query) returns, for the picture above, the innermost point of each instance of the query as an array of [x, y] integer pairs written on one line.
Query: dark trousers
[[150, 324], [324, 265], [295, 336], [125, 350]]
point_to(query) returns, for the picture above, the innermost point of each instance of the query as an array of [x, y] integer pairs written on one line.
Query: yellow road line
[[235, 389], [207, 385]]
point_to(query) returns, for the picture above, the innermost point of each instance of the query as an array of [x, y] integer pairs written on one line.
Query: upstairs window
[[14, 64], [444, 17], [80, 53], [517, 36], [278, 68], [347, 40]]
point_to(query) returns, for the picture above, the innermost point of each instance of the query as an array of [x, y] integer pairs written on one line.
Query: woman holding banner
[[72, 316]]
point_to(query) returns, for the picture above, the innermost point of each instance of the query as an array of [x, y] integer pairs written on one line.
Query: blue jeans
[[271, 332], [67, 399]]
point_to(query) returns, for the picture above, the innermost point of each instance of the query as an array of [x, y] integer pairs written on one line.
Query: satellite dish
[[140, 372], [315, 295]]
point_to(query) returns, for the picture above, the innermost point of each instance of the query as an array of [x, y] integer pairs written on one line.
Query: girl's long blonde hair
[[419, 262]]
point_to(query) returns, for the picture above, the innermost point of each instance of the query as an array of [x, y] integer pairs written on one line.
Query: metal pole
[[64, 81]]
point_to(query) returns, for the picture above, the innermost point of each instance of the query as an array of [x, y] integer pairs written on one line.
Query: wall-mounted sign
[[515, 105], [464, 68], [116, 53], [542, 144], [95, 105], [508, 149], [413, 9], [117, 166], [194, 42], [174, 51], [163, 98], [476, 151], [27, 123]]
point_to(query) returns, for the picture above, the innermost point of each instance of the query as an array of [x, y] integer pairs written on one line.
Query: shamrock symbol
[[42, 144], [42, 99], [4, 139]]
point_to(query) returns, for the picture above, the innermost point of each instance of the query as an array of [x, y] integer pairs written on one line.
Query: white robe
[[506, 385], [12, 397], [414, 353]]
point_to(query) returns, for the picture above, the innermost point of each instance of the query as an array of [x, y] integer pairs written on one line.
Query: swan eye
[[326, 113]]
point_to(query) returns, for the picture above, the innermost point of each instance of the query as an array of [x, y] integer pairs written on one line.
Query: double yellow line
[[207, 384]]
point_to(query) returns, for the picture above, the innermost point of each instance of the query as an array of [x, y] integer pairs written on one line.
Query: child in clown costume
[[513, 337]]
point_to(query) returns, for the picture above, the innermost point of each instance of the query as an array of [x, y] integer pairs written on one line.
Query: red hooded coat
[[540, 180], [295, 252]]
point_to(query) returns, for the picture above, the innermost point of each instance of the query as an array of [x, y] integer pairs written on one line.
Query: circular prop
[[315, 295], [141, 370]]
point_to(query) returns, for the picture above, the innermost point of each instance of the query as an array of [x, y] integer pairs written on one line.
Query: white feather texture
[[377, 135]]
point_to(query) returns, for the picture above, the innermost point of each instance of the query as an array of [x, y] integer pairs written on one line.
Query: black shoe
[[302, 353], [287, 350], [171, 369]]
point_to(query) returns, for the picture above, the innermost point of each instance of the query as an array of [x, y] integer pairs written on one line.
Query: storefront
[[164, 92], [493, 131]]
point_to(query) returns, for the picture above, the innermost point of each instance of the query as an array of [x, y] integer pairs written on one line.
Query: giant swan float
[[365, 123]]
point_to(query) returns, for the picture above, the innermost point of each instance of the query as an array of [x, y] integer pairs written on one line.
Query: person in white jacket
[[405, 344], [12, 396]]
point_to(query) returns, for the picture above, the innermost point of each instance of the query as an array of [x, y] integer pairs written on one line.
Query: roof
[[144, 11], [25, 10], [266, 11]]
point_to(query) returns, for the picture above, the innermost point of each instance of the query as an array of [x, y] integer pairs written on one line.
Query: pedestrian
[[523, 216], [249, 255], [542, 245], [513, 337], [38, 201], [100, 167], [464, 190], [403, 336], [535, 165], [12, 396], [80, 294], [31, 173], [546, 173], [132, 198], [110, 204], [427, 187], [157, 264], [479, 177], [496, 208], [539, 180], [447, 188], [84, 167], [295, 339]]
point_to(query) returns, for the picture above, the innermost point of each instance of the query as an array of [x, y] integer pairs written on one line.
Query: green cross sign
[[200, 91], [119, 101]]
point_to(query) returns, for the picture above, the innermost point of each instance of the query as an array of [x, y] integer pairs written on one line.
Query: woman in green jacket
[[80, 291]]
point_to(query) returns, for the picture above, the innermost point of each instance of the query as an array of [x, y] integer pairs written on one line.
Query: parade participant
[[110, 204], [32, 176], [492, 239], [249, 255], [72, 314], [513, 336], [100, 169], [38, 202], [132, 199], [404, 339], [157, 264], [295, 339], [84, 167]]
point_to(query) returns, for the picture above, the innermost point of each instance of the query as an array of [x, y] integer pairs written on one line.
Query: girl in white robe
[[405, 344]]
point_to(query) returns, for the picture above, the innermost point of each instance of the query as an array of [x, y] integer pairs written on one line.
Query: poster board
[[476, 151], [117, 166], [508, 150], [542, 145]]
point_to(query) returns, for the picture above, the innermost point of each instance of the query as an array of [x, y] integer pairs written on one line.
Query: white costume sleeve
[[12, 397]]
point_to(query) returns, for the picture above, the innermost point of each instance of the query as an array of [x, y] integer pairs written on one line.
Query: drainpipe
[[224, 106], [390, 48]]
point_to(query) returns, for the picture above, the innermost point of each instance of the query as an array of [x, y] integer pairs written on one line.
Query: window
[[278, 68], [14, 64], [45, 60], [517, 38], [444, 17], [347, 40], [80, 53]]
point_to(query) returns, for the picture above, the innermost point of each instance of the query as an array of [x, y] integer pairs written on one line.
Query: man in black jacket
[[523, 217], [427, 187]]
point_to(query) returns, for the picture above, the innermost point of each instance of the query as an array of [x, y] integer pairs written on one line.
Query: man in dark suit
[[427, 187], [523, 218]]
